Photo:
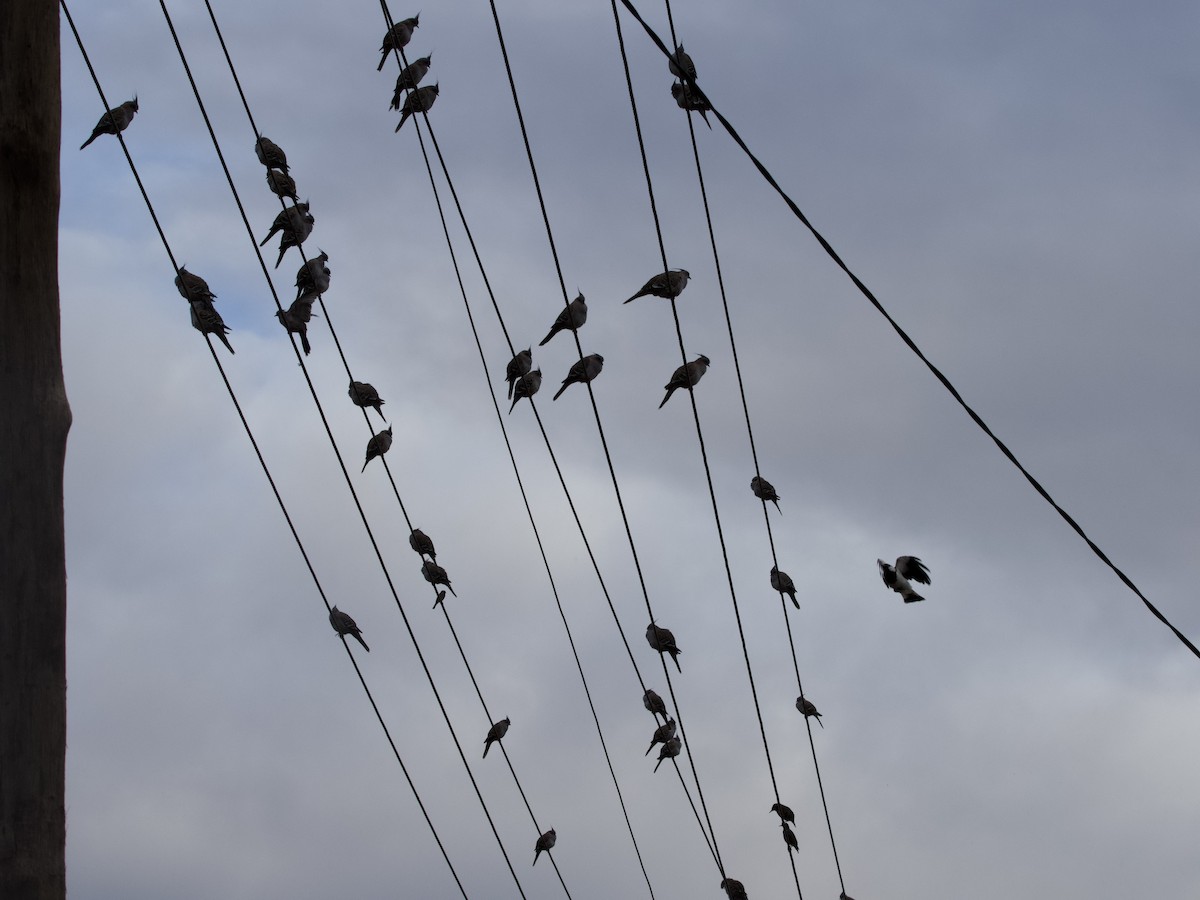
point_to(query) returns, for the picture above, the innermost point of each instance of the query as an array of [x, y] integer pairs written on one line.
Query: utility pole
[[34, 421]]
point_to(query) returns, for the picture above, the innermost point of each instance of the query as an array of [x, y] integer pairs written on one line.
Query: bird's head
[[704, 359]]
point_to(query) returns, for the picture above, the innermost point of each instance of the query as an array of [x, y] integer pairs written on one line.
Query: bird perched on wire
[[663, 641], [436, 575], [844, 896], [686, 376], [495, 733], [295, 320], [784, 812], [907, 568], [270, 154], [662, 734], [207, 320], [313, 277], [518, 366], [282, 184], [654, 703], [422, 543], [669, 750], [114, 121], [343, 624], [734, 889], [681, 65], [410, 77], [572, 317], [782, 582], [397, 38], [668, 285], [582, 372], [808, 709], [789, 837], [420, 100], [380, 444], [764, 490], [545, 842], [364, 395], [192, 287], [691, 99], [295, 224], [527, 385]]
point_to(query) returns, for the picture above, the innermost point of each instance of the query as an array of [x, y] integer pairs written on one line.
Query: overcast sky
[[1016, 182]]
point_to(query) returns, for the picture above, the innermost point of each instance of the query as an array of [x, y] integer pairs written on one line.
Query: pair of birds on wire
[[687, 95], [205, 318], [408, 97]]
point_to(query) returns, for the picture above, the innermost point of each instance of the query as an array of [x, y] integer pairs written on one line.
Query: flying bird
[[270, 154], [422, 543], [691, 99], [582, 372], [380, 444], [420, 100], [282, 184], [343, 624], [518, 366], [527, 385], [907, 568], [734, 889], [295, 320], [495, 733], [410, 77], [663, 641], [207, 320], [782, 582], [397, 38], [681, 65], [789, 838], [686, 376], [785, 812], [669, 750], [364, 395], [808, 708], [662, 734], [114, 121], [313, 277], [654, 703], [436, 575], [572, 317], [668, 285], [545, 842], [764, 490]]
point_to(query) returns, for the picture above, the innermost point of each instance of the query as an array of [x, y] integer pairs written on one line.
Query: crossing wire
[[266, 470]]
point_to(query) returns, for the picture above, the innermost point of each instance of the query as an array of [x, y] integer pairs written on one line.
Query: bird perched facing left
[[270, 154], [282, 184], [907, 568], [545, 842], [789, 837], [420, 100], [397, 38], [410, 77], [692, 100], [808, 709], [686, 376], [422, 543], [782, 582], [654, 703], [114, 121], [343, 624], [527, 385], [668, 285], [572, 317], [495, 733], [663, 641], [582, 372], [436, 575], [207, 320], [192, 287], [364, 395], [380, 444], [764, 491], [785, 813], [681, 65]]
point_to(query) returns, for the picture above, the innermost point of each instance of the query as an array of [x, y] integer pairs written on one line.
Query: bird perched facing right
[[343, 624], [410, 77], [436, 575], [270, 154], [782, 582], [785, 812], [692, 100], [669, 750], [518, 366], [582, 372], [207, 320], [380, 444], [295, 320], [296, 224], [808, 709], [764, 491], [114, 121], [662, 734], [654, 703], [364, 395], [397, 38], [545, 842], [734, 889], [495, 733], [681, 65], [313, 277], [527, 385], [668, 285], [420, 100], [686, 376], [663, 641], [422, 543], [907, 568], [572, 317]]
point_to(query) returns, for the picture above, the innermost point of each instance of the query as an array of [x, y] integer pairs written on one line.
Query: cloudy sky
[[1016, 182]]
